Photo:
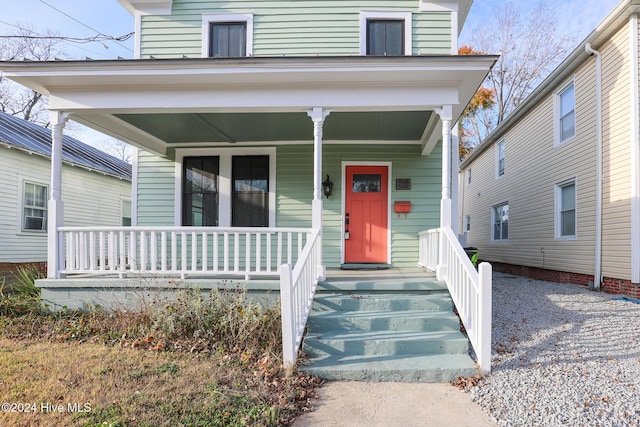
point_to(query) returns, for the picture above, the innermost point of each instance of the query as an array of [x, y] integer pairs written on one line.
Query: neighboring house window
[[225, 36], [385, 33], [200, 191], [469, 176], [250, 191], [566, 209], [126, 212], [500, 220], [566, 115], [34, 205], [500, 148], [467, 223]]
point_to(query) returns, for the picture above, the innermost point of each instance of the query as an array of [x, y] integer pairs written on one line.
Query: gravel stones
[[561, 356]]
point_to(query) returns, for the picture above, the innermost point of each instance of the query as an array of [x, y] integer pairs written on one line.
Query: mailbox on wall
[[402, 207]]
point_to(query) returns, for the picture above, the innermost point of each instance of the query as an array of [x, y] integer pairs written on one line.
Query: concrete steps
[[385, 330]]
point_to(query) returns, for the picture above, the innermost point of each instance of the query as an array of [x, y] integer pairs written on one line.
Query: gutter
[[597, 276]]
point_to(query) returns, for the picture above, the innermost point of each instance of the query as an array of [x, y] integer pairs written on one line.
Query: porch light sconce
[[327, 187]]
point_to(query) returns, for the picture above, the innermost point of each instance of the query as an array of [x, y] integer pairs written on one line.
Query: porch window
[[34, 207], [227, 39], [200, 191], [385, 37], [500, 219], [250, 191]]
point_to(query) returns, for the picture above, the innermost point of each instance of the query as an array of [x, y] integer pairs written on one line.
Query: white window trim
[[493, 221], [467, 223], [558, 207], [556, 114], [229, 17], [224, 179], [501, 142], [365, 15], [20, 230]]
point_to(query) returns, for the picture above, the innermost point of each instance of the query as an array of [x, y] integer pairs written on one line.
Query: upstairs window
[[385, 33], [500, 157], [227, 39], [227, 36], [34, 205], [385, 37], [566, 114]]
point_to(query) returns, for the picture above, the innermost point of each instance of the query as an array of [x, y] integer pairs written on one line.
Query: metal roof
[[22, 134]]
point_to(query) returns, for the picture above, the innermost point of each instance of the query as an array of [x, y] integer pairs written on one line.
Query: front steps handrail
[[469, 289], [297, 288]]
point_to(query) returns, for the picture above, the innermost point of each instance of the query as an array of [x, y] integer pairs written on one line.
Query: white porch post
[[318, 114], [55, 246], [445, 114]]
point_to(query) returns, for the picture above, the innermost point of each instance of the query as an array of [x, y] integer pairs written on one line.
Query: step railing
[[196, 251], [297, 287], [470, 289]]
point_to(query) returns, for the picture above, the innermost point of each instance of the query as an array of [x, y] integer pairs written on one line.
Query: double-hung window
[[34, 207], [566, 210], [227, 36], [566, 114], [500, 220], [385, 33], [500, 157]]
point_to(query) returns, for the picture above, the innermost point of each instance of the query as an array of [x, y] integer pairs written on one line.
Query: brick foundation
[[7, 269], [610, 285]]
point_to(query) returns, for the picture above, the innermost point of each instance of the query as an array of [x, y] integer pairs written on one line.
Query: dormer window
[[227, 36], [385, 33]]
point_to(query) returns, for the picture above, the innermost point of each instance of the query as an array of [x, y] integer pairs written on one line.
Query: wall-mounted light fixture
[[327, 187]]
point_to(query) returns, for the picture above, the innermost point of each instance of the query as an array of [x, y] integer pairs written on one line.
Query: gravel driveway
[[562, 356]]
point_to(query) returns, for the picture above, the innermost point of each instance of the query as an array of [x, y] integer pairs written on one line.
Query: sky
[[87, 18]]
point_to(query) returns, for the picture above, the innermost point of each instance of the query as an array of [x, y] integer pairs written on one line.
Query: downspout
[[597, 276]]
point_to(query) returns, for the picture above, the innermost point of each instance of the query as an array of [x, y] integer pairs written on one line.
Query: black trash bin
[[472, 253]]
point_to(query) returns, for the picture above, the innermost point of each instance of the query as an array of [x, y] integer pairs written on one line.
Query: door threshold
[[365, 266]]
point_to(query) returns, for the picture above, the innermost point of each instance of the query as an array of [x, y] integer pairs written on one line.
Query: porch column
[[446, 118], [55, 218], [318, 114]]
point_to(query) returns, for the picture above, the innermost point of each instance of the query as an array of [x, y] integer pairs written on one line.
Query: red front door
[[366, 214]]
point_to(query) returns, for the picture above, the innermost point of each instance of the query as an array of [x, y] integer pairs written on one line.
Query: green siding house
[[275, 138]]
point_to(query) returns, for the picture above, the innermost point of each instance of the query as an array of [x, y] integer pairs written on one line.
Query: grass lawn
[[197, 361]]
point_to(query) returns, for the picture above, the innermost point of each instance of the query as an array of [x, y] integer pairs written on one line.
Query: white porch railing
[[470, 289], [297, 288], [196, 251]]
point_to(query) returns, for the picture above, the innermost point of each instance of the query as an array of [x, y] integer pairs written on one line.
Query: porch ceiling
[[157, 103], [183, 128]]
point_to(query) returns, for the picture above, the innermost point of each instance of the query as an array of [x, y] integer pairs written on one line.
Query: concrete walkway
[[355, 404]]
